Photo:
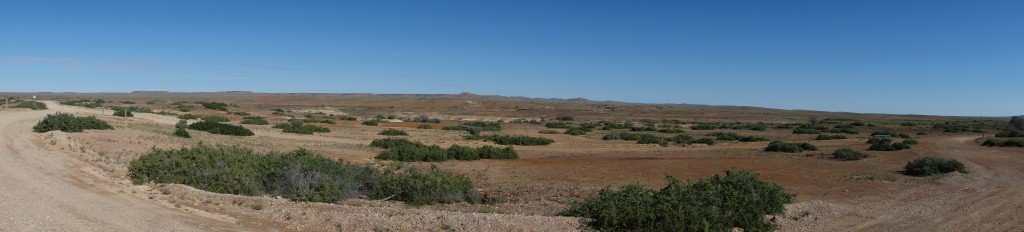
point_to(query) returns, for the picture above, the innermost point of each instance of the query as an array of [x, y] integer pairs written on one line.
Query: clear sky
[[905, 57]]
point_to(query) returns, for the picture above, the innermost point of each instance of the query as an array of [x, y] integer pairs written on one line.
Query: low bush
[[930, 166], [879, 139], [220, 128], [305, 129], [69, 123], [371, 123], [393, 132], [324, 121], [254, 120], [298, 175], [719, 203], [881, 146], [703, 126], [802, 130], [846, 153], [405, 150], [731, 136], [34, 105], [563, 117], [187, 116], [844, 131], [830, 137], [1010, 133], [122, 112], [708, 141], [625, 136], [779, 146], [550, 132], [424, 126], [653, 140], [485, 126], [520, 140], [214, 105], [182, 133], [576, 131], [993, 142], [216, 119]]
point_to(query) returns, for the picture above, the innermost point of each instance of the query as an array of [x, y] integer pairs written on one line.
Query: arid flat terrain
[[79, 181]]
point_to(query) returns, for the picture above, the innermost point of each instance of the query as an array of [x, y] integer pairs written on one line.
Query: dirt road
[[47, 190], [990, 198]]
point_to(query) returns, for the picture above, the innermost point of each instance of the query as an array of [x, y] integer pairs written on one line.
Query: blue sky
[[904, 57]]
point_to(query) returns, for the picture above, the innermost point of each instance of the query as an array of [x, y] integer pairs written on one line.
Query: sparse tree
[[181, 124], [1017, 122], [813, 120]]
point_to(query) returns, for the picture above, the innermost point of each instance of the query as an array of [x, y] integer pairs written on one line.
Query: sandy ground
[[47, 190]]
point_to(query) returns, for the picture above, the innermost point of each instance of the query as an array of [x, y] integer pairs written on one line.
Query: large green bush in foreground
[[930, 166], [719, 203], [69, 123], [297, 175], [220, 128]]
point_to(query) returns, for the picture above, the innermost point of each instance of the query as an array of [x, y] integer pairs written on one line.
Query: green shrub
[[34, 105], [214, 105], [254, 120], [550, 132], [298, 175], [910, 141], [708, 141], [121, 112], [719, 203], [1010, 133], [405, 150], [844, 131], [393, 132], [703, 127], [220, 128], [884, 146], [576, 131], [683, 139], [802, 130], [216, 119], [371, 123], [879, 139], [187, 116], [520, 140], [415, 187], [182, 133], [993, 142], [930, 166], [630, 136], [830, 137], [731, 136], [305, 129], [424, 126], [653, 140], [485, 126], [846, 153], [324, 121], [69, 123], [779, 146]]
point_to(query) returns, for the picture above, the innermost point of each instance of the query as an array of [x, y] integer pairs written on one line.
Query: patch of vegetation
[[563, 117], [994, 142], [216, 119], [731, 136], [374, 122], [69, 123], [830, 137], [122, 112], [719, 203], [424, 126], [779, 146], [298, 175], [558, 125], [324, 121], [409, 151], [708, 141], [520, 140], [661, 141], [214, 105], [881, 146], [930, 166], [802, 130], [846, 153], [485, 126], [254, 120], [34, 105], [577, 131], [187, 116], [703, 126], [220, 128], [393, 132], [182, 133], [296, 126], [82, 103], [1010, 133]]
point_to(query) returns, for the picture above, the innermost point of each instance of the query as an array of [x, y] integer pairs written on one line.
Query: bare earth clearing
[[77, 181]]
